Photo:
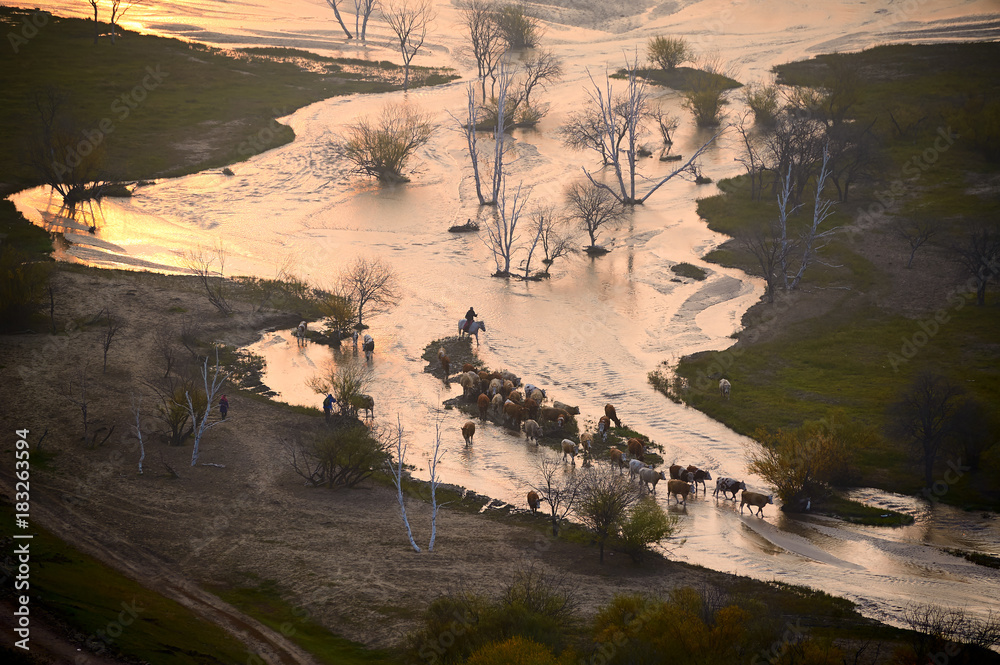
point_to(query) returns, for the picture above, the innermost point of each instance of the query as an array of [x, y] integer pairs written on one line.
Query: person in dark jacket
[[470, 316], [223, 406], [328, 406]]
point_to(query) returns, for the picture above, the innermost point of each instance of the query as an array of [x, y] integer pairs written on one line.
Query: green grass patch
[[683, 78], [859, 513], [168, 107], [98, 601], [690, 271], [978, 558], [266, 603]]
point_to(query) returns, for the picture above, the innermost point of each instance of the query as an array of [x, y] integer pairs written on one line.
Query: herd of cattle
[[499, 395]]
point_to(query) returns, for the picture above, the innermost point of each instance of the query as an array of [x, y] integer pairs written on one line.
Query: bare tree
[[751, 158], [605, 498], [560, 492], [362, 11], [813, 239], [113, 324], [137, 429], [80, 398], [335, 6], [538, 70], [980, 256], [794, 146], [372, 286], [539, 228], [485, 39], [93, 3], [201, 262], [916, 232], [555, 243], [118, 10], [924, 415], [594, 208], [381, 147], [200, 422], [770, 252], [501, 231], [475, 116], [408, 20], [624, 125], [397, 470]]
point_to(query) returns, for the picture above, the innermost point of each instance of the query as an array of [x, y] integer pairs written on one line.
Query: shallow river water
[[590, 334]]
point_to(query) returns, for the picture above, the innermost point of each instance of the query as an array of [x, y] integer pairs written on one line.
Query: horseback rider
[[469, 318]]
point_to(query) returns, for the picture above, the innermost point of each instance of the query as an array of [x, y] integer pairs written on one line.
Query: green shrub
[[519, 29], [762, 98], [668, 52], [647, 524]]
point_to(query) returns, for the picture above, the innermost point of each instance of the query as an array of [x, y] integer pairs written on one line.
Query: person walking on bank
[[223, 406]]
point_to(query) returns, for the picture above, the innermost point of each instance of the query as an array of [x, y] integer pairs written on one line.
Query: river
[[590, 334]]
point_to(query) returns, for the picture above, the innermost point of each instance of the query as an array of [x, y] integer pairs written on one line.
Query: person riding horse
[[469, 317]]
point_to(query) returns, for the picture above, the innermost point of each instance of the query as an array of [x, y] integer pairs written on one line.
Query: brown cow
[[677, 488], [513, 414], [570, 448], [755, 500], [603, 427], [468, 429], [610, 412], [533, 501], [484, 405], [531, 407], [515, 396], [552, 413], [617, 458], [635, 449], [468, 367]]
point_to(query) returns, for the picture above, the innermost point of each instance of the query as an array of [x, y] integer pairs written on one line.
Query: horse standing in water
[[474, 328], [369, 348], [300, 333]]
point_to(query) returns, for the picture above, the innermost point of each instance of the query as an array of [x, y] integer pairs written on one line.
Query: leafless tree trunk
[[555, 243], [137, 429], [201, 262], [485, 39], [82, 401], [822, 209], [594, 208], [200, 420], [539, 229], [397, 479], [980, 256], [915, 233], [335, 6], [784, 212], [501, 231], [627, 122], [539, 69], [770, 252], [112, 326], [751, 159], [408, 20], [559, 492], [924, 414], [97, 32], [118, 10], [362, 11], [372, 285]]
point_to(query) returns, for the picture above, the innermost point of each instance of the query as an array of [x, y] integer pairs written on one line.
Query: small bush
[[647, 524], [519, 29], [762, 98], [341, 458], [668, 52], [689, 270], [381, 147], [515, 651]]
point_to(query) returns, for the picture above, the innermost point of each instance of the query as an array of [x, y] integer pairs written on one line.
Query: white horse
[[369, 347], [300, 332], [473, 329]]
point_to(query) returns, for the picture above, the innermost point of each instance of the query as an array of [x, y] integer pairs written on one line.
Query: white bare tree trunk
[[434, 483], [397, 478], [137, 429], [783, 214], [822, 209], [199, 421]]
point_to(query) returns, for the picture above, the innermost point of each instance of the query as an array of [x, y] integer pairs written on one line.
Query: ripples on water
[[592, 332]]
